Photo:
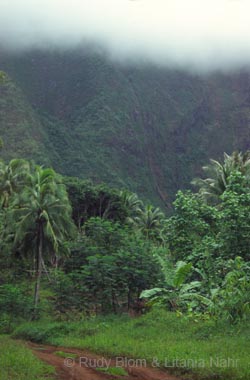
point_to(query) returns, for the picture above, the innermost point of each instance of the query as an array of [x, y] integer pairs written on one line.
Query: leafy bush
[[232, 299], [15, 304], [41, 332], [109, 267]]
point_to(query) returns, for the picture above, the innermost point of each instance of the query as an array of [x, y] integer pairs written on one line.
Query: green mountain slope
[[19, 128], [146, 128]]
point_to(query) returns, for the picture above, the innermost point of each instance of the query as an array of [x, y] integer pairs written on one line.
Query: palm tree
[[13, 177], [131, 202], [149, 221], [215, 185], [43, 219]]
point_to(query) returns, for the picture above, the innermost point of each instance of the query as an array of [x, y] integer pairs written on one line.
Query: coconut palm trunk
[[39, 259], [43, 220]]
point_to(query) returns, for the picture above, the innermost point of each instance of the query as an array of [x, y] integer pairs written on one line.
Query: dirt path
[[81, 365]]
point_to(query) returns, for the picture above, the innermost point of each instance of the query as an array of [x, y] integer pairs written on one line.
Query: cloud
[[201, 34]]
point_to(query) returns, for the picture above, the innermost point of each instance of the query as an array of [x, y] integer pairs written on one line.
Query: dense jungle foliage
[[89, 249], [78, 260]]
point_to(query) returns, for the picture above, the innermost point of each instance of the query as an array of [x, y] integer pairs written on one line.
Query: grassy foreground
[[18, 363], [200, 349]]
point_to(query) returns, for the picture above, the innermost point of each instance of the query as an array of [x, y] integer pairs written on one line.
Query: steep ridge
[[146, 128], [20, 129]]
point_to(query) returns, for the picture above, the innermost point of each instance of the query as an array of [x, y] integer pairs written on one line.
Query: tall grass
[[18, 363], [205, 349]]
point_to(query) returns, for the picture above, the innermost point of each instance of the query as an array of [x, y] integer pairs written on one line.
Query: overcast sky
[[203, 34]]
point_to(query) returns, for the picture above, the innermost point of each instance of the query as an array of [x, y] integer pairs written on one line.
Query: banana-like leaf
[[181, 272], [191, 286], [153, 292]]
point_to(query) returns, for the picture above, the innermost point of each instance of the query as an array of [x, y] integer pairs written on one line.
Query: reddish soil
[[83, 366]]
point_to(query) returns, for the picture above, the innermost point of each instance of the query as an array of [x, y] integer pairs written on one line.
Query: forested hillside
[[145, 128]]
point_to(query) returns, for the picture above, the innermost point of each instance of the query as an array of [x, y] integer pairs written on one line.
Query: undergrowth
[[200, 349], [18, 363]]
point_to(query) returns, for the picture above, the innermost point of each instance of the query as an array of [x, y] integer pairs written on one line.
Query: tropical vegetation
[[72, 250]]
